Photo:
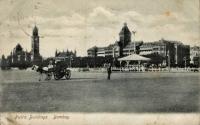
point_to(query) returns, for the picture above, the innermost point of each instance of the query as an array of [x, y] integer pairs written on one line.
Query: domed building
[[162, 52], [19, 58], [22, 59]]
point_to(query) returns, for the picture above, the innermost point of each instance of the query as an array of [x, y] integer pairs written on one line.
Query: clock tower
[[35, 45]]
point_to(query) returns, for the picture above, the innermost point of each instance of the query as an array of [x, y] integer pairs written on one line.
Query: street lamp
[[113, 56], [71, 61], [169, 61], [185, 61], [134, 32]]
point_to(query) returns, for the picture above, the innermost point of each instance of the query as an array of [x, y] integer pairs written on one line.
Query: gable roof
[[134, 57]]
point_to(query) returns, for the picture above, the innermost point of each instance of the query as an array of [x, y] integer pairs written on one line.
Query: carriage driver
[[50, 66], [49, 69]]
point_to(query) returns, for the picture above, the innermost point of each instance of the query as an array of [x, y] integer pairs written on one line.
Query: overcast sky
[[81, 24]]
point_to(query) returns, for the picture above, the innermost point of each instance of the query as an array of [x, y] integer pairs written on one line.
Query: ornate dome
[[18, 48]]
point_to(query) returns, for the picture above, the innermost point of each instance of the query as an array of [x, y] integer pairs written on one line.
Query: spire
[[35, 31], [56, 53], [125, 24]]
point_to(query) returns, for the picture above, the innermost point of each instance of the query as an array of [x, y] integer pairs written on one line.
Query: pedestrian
[[41, 71], [109, 71]]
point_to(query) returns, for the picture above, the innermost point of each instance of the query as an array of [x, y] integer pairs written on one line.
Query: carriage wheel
[[56, 76], [68, 74]]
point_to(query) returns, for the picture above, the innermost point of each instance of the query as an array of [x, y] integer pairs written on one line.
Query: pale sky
[[81, 24]]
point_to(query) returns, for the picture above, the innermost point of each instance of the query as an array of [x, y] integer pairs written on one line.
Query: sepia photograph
[[100, 62]]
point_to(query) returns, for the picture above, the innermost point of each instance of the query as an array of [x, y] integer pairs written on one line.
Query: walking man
[[109, 71], [40, 70]]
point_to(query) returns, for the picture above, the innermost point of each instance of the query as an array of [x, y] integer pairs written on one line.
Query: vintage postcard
[[99, 62]]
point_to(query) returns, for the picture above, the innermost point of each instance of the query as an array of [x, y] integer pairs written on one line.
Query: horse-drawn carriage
[[59, 70]]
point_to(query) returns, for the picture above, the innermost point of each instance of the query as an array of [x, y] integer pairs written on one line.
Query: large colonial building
[[119, 49], [20, 58], [65, 55], [162, 52]]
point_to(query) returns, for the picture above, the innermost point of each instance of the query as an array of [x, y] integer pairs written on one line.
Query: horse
[[42, 70]]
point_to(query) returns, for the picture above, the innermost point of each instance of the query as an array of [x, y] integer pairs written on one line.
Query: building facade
[[195, 56], [167, 53], [162, 52], [119, 49], [64, 55], [17, 58]]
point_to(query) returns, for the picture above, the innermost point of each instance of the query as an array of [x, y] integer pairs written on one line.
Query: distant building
[[17, 58], [35, 47], [120, 48], [4, 63], [195, 56], [23, 59], [114, 50], [162, 52], [65, 55], [165, 52]]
